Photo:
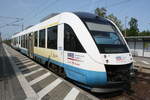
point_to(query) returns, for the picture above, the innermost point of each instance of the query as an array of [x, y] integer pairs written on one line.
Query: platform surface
[[24, 79], [10, 88], [142, 64]]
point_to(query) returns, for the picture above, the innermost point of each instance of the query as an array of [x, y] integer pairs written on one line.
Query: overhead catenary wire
[[97, 2], [8, 24], [17, 19], [47, 6], [21, 19], [106, 5], [41, 9], [118, 3], [32, 12], [5, 17]]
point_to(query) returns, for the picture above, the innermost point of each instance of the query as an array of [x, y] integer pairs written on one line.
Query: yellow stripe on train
[[49, 25], [47, 53]]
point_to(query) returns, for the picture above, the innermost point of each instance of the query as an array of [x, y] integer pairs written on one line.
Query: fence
[[139, 45]]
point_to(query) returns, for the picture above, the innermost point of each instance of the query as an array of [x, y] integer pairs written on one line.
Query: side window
[[42, 38], [52, 37], [26, 41], [14, 41], [71, 42], [21, 42], [18, 39], [35, 38]]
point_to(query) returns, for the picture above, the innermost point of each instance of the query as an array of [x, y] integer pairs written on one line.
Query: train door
[[30, 45], [60, 42]]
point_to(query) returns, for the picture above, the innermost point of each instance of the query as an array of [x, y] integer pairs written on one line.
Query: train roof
[[86, 15], [81, 15]]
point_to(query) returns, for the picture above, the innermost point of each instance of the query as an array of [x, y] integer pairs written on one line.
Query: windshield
[[104, 34], [107, 37]]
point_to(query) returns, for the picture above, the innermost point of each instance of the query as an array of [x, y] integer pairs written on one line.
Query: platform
[[10, 88], [31, 81], [142, 64]]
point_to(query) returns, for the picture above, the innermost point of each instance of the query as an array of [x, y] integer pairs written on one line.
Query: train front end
[[114, 53]]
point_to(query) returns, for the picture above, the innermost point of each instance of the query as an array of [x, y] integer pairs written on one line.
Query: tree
[[101, 12], [133, 30], [115, 20], [145, 33], [7, 41]]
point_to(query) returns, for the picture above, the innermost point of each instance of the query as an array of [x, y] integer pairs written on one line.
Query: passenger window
[[52, 37], [14, 42], [42, 38], [71, 42], [19, 39], [35, 38], [26, 41], [23, 41]]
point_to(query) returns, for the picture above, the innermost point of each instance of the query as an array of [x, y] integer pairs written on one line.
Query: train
[[84, 47]]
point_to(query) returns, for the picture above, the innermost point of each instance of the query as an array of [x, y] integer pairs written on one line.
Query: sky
[[32, 11]]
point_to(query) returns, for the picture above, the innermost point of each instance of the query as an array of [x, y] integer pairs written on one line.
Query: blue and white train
[[86, 48]]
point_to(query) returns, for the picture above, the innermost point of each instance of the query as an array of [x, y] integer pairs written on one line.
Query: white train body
[[90, 62]]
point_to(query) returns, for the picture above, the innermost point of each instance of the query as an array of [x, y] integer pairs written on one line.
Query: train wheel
[[58, 70], [53, 68], [63, 74]]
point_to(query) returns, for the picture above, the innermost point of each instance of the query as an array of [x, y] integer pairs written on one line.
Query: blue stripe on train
[[24, 51], [84, 76]]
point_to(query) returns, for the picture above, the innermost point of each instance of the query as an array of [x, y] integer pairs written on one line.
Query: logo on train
[[119, 58], [71, 56]]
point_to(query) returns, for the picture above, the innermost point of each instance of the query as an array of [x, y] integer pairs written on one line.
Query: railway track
[[140, 90]]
